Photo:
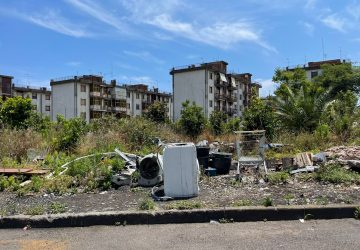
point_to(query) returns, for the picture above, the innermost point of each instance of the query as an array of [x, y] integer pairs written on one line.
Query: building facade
[[211, 87], [5, 86], [40, 97], [313, 69], [90, 97]]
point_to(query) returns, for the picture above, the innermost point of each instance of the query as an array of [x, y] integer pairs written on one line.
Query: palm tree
[[301, 109]]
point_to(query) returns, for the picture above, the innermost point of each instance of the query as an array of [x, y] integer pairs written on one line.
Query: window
[[83, 115], [314, 74], [210, 103], [83, 88], [240, 97], [47, 108], [210, 90], [143, 97], [34, 95], [137, 96], [128, 105], [211, 75], [83, 102], [47, 97], [137, 106], [128, 94]]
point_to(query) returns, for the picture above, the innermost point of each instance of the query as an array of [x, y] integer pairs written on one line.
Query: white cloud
[[73, 63], [222, 35], [310, 4], [144, 56], [336, 22], [354, 10], [99, 13], [50, 20], [268, 87], [135, 79], [309, 28]]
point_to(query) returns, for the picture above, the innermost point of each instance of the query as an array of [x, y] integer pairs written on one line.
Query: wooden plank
[[23, 171]]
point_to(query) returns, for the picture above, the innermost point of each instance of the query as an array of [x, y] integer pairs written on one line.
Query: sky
[[139, 41]]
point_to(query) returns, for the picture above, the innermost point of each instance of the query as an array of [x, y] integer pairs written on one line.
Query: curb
[[243, 214]]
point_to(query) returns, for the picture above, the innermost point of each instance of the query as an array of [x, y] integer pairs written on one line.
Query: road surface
[[321, 234]]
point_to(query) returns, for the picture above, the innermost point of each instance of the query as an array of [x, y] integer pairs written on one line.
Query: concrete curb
[[180, 216]]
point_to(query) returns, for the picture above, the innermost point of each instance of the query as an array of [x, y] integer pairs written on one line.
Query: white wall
[[83, 95], [190, 86], [308, 73], [63, 100]]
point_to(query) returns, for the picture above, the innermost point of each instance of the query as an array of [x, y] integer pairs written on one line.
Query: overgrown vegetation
[[336, 174], [147, 204], [184, 205], [278, 177]]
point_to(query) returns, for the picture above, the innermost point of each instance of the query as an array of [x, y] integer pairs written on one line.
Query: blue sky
[[140, 40]]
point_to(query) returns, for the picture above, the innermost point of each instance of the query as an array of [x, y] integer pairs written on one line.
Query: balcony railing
[[217, 108], [97, 107], [231, 98], [95, 94], [219, 96]]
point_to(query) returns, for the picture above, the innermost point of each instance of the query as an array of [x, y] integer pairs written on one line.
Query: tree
[[341, 114], [339, 78], [232, 125], [259, 116], [301, 110], [192, 120], [157, 112], [217, 122], [293, 79], [15, 111]]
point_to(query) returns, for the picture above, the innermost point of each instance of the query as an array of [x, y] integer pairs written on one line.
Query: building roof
[[31, 89], [215, 66], [317, 64], [5, 76]]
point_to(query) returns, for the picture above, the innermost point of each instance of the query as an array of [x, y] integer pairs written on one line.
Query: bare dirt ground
[[219, 191]]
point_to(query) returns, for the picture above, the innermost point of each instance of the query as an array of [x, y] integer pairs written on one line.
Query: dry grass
[[16, 143]]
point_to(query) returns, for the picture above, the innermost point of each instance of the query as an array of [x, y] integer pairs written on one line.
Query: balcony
[[231, 98], [97, 108], [95, 94], [219, 96], [219, 83], [231, 111], [217, 108]]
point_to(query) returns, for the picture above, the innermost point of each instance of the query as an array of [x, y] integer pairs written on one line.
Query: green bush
[[157, 112], [192, 120], [69, 133], [278, 177], [268, 202], [185, 205], [232, 125], [147, 204], [15, 111], [217, 122], [337, 174], [37, 183]]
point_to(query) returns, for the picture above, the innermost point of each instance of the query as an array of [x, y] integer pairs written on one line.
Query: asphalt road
[[321, 234]]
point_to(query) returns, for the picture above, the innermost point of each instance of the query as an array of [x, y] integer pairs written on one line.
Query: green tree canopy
[[192, 119], [15, 111], [259, 116], [217, 122], [157, 112]]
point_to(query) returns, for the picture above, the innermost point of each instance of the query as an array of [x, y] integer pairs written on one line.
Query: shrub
[[268, 202], [192, 120], [241, 203], [217, 122], [57, 208], [337, 174], [59, 185], [35, 210], [232, 125], [69, 132], [37, 183], [147, 204], [278, 177], [15, 111], [157, 112]]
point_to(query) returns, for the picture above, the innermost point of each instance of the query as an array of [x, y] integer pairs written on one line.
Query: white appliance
[[181, 170]]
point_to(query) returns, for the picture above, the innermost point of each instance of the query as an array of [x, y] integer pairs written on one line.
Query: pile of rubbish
[[347, 156]]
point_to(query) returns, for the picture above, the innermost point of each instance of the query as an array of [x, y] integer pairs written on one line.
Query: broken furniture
[[181, 170], [250, 147]]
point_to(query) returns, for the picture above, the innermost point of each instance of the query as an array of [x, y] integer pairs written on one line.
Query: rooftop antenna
[[340, 54], [288, 62]]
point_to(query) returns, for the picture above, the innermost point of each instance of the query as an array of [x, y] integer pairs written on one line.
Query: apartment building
[[40, 97], [140, 97], [5, 86], [211, 87], [313, 69], [90, 97]]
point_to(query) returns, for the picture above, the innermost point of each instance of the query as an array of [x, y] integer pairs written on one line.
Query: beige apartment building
[[212, 87], [90, 97]]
